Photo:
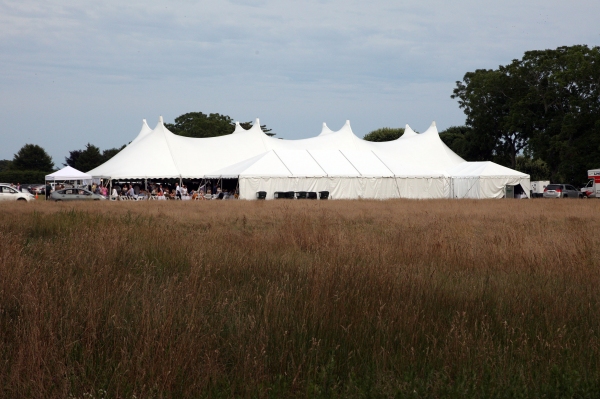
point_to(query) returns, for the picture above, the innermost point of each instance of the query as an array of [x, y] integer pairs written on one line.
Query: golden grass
[[300, 298]]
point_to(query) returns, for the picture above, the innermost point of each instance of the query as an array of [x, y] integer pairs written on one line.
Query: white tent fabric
[[485, 180], [413, 166], [68, 173]]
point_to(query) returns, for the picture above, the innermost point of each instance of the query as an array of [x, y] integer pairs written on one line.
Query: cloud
[[66, 67]]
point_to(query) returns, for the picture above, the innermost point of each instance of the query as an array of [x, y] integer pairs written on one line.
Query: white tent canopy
[[413, 166], [485, 180], [68, 173]]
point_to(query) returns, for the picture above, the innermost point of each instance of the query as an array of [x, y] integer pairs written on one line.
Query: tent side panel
[[423, 188], [348, 187]]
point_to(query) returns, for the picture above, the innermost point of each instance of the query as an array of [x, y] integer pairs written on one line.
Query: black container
[[311, 195], [323, 195], [261, 195], [301, 194], [290, 195], [279, 195]]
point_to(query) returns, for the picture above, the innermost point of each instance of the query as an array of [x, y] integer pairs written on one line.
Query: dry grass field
[[449, 298]]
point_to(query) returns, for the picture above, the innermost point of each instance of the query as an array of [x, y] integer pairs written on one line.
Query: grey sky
[[73, 72]]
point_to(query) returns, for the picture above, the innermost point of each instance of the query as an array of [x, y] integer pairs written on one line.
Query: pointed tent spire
[[325, 130], [408, 132], [431, 130], [238, 128], [256, 125], [161, 121]]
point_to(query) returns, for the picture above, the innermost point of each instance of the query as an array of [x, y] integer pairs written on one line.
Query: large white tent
[[413, 166]]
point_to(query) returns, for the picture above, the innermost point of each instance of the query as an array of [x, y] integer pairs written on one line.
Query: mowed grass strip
[[300, 299]]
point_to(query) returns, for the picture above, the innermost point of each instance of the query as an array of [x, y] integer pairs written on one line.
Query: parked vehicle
[[8, 193], [537, 188], [561, 191], [75, 194], [592, 188]]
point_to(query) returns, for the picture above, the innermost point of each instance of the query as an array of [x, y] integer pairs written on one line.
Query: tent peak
[[161, 121], [433, 123]]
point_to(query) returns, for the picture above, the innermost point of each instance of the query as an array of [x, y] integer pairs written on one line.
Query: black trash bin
[[323, 195], [279, 195], [261, 195], [301, 195], [290, 195], [311, 195]]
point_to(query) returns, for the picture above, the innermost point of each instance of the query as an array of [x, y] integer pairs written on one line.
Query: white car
[[8, 193]]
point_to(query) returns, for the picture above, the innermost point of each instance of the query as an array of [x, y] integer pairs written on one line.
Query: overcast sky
[[73, 72]]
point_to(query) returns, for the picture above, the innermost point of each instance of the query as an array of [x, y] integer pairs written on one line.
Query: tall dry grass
[[300, 299]]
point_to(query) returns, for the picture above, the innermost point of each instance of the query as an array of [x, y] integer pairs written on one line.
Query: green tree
[[32, 157], [467, 144], [546, 104], [111, 152], [384, 134], [5, 165], [71, 160], [535, 168], [198, 124], [486, 97], [89, 158]]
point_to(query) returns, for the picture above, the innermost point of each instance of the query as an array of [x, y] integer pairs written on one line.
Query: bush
[[22, 176]]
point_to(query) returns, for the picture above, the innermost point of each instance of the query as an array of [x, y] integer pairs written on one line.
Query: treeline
[[32, 163], [539, 114], [29, 165]]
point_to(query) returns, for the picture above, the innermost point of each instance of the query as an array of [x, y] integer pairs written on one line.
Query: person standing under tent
[[48, 190], [177, 191]]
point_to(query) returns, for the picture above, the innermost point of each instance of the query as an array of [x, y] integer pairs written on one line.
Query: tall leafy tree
[[5, 165], [467, 144], [384, 134], [71, 160], [89, 158], [32, 157], [487, 97], [198, 124], [111, 152], [547, 103]]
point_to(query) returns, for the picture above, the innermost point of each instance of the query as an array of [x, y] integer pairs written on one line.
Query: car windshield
[[553, 187]]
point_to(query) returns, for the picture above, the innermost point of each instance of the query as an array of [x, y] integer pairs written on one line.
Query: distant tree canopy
[[198, 124], [90, 157], [5, 165], [384, 134], [467, 144], [545, 105], [32, 157]]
